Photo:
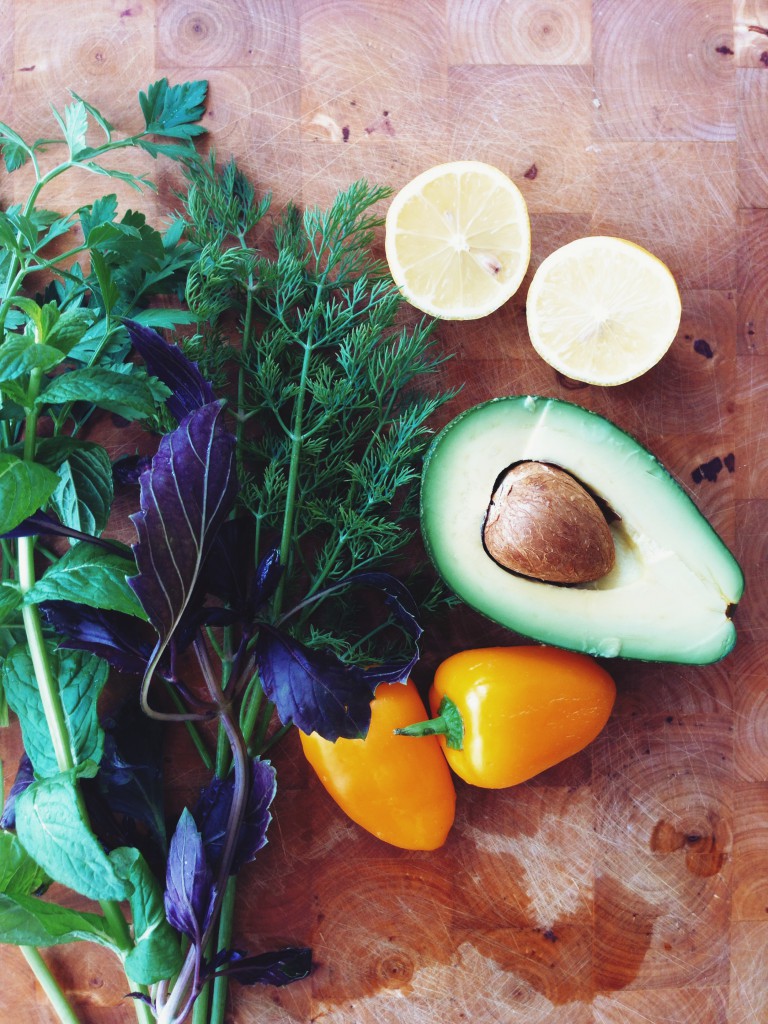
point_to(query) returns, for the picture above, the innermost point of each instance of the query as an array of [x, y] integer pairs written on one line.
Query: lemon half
[[458, 240], [602, 310]]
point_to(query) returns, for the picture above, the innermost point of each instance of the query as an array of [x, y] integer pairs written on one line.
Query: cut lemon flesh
[[458, 240], [602, 310]]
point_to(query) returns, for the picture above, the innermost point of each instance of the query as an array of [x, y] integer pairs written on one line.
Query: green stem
[[448, 723], [13, 283], [274, 739], [297, 439], [247, 322], [226, 922], [194, 732], [50, 695], [57, 726], [259, 737], [49, 985], [49, 691], [200, 1008], [223, 751], [286, 536], [252, 706]]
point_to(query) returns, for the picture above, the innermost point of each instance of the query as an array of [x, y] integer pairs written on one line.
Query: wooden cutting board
[[631, 883]]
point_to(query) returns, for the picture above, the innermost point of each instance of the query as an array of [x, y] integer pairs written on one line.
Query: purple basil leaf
[[42, 523], [140, 998], [227, 574], [397, 598], [189, 889], [112, 830], [38, 522], [190, 390], [128, 469], [313, 689], [266, 578], [212, 816], [281, 967], [186, 495], [226, 571], [390, 671], [25, 776], [124, 641], [131, 770]]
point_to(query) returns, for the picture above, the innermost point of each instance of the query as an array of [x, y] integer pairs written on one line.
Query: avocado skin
[[687, 642]]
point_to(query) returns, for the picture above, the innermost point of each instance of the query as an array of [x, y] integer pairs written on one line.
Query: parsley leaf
[[174, 110]]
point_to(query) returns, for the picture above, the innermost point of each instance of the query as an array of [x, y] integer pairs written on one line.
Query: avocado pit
[[543, 524]]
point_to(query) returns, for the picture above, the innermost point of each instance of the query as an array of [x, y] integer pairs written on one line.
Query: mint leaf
[[83, 499], [163, 318], [27, 921], [172, 110], [10, 599], [127, 394], [89, 575], [69, 327], [18, 872], [50, 825], [156, 953], [19, 355], [81, 678], [24, 487]]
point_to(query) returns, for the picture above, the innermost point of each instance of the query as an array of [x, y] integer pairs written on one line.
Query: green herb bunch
[[292, 417], [331, 419], [68, 280]]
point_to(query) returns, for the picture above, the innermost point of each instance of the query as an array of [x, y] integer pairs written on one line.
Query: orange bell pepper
[[505, 714], [403, 793]]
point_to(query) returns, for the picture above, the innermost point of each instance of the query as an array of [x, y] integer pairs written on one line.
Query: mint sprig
[[64, 353]]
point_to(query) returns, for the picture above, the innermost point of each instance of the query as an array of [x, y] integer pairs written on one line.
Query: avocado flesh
[[673, 587]]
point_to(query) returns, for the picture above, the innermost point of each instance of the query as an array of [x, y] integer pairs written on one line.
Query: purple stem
[[188, 982]]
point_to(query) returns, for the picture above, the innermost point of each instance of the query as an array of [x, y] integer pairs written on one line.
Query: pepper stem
[[448, 722]]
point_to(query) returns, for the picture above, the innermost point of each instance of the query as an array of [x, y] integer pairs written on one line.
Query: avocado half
[[674, 585]]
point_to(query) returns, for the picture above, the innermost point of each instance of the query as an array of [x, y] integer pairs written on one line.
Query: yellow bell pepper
[[505, 714]]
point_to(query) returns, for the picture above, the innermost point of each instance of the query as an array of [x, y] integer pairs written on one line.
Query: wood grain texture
[[629, 885]]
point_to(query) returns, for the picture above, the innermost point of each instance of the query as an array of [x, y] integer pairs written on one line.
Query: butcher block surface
[[629, 884]]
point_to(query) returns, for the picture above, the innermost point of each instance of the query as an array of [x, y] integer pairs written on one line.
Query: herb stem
[[200, 1008], [191, 727], [274, 739], [250, 708], [240, 762], [48, 687], [187, 985], [293, 472], [49, 985], [13, 284], [224, 941], [247, 321], [257, 743], [59, 733]]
